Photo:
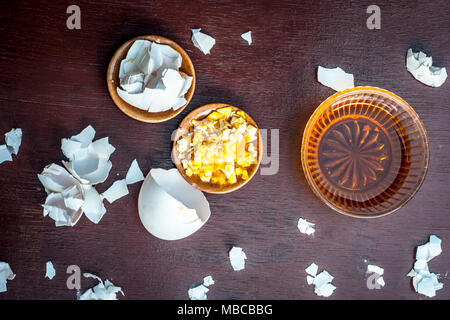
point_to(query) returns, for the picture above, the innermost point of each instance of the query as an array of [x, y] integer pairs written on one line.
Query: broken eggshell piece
[[169, 207], [90, 164], [65, 195]]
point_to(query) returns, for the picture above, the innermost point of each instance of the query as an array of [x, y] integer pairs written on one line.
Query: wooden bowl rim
[[182, 128], [113, 82]]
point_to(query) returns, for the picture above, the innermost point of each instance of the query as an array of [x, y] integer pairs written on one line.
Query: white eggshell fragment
[[13, 140], [49, 270], [5, 274], [237, 258], [65, 195], [91, 164], [102, 291], [335, 78], [202, 41], [55, 178], [134, 173], [421, 67], [169, 207], [5, 154], [118, 190], [55, 207], [93, 206], [247, 36]]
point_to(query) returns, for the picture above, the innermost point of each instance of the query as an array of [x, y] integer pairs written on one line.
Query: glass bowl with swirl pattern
[[365, 152]]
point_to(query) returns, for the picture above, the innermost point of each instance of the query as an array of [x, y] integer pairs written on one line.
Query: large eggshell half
[[169, 207]]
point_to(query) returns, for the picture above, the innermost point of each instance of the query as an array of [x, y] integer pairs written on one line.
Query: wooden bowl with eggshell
[[112, 79], [210, 187]]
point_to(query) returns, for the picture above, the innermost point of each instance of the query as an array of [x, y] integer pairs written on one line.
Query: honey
[[365, 152]]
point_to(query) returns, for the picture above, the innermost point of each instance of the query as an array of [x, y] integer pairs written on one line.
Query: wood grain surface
[[52, 85]]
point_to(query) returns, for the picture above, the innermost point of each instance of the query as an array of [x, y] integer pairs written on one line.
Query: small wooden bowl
[[184, 127], [112, 79]]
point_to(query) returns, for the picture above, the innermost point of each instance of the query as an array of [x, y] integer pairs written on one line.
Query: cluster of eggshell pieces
[[169, 207]]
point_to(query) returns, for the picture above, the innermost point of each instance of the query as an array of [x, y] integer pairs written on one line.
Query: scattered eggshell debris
[[247, 36], [102, 291], [322, 281], [202, 41], [380, 281], [13, 140], [50, 270], [312, 269], [421, 67], [208, 280], [118, 190], [93, 206], [199, 292], [371, 268], [64, 195], [335, 78], [305, 226], [71, 192], [90, 164], [424, 281], [237, 258], [5, 275], [375, 269], [134, 173], [5, 154]]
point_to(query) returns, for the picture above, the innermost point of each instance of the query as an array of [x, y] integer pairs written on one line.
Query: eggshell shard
[[55, 207], [93, 206], [5, 154], [102, 291], [91, 165], [237, 258], [335, 78], [5, 274], [421, 67], [424, 281], [134, 173], [50, 270], [13, 140], [71, 193], [247, 36], [55, 178], [169, 207], [202, 41], [118, 190]]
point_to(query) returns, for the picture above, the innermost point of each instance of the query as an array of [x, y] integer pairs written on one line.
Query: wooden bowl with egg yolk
[[194, 180], [112, 79]]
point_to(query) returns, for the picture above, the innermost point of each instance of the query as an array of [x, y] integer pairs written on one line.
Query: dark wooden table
[[52, 85]]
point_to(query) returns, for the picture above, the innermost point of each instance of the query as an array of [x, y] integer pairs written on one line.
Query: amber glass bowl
[[365, 152]]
